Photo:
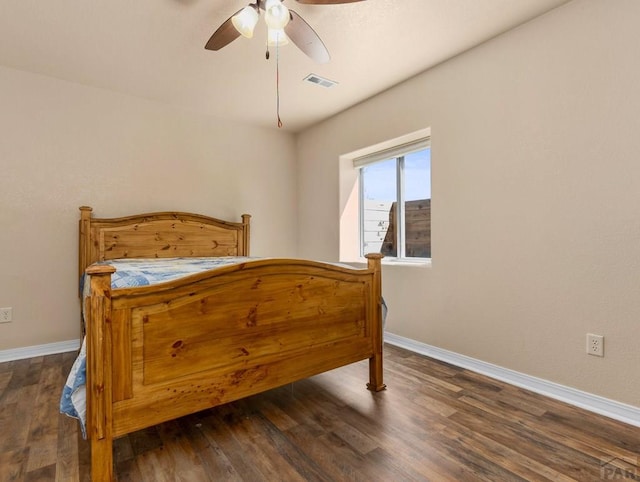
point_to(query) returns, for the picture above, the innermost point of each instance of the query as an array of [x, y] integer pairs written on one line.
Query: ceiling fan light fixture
[[276, 37], [245, 21], [276, 15]]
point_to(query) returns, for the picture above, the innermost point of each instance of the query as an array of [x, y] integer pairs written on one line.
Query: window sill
[[418, 263]]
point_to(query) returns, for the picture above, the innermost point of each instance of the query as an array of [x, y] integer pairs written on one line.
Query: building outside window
[[395, 201]]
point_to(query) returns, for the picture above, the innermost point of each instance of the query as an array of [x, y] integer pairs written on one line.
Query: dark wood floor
[[435, 422]]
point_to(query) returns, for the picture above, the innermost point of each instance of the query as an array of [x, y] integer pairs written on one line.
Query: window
[[395, 201]]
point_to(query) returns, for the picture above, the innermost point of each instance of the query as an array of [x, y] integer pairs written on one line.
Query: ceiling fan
[[282, 24]]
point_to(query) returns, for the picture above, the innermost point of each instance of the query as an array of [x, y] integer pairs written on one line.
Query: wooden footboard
[[160, 352]]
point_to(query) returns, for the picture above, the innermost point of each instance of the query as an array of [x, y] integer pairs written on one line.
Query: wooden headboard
[[159, 235]]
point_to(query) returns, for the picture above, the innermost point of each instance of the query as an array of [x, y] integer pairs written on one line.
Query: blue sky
[[380, 181]]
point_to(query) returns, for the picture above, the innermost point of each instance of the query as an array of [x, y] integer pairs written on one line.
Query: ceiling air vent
[[316, 79]]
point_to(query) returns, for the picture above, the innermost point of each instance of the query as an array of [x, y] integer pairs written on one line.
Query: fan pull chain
[[278, 84]]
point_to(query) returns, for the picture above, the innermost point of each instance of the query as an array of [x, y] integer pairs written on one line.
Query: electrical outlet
[[6, 315], [595, 344]]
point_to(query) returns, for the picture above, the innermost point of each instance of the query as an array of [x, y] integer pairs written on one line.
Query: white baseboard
[[593, 403], [39, 350]]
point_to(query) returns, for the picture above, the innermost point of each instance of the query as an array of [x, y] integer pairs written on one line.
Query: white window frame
[[397, 152]]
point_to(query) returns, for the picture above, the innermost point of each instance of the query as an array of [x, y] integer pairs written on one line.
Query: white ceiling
[[155, 49]]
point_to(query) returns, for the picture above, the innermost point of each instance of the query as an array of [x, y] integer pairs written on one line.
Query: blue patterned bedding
[[131, 273]]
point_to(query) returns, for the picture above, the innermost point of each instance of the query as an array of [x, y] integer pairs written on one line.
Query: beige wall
[[536, 197], [63, 145]]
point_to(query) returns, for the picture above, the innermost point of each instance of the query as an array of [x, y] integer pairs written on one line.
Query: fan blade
[[225, 34], [306, 39], [326, 2]]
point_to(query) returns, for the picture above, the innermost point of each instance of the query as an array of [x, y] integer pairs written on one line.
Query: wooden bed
[[156, 353]]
